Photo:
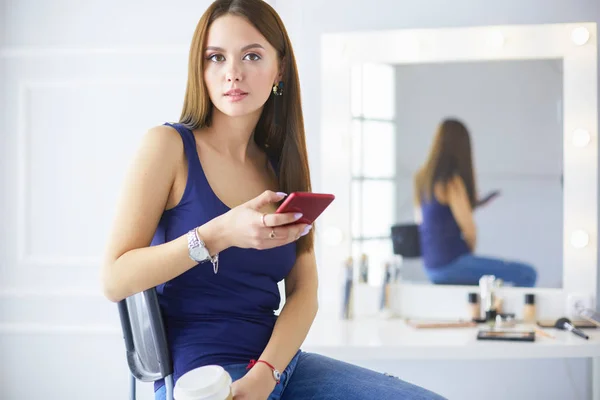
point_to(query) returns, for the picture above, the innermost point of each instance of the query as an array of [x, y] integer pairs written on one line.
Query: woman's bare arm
[[130, 265], [458, 200]]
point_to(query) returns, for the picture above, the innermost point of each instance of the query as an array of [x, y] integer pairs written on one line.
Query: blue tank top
[[220, 318], [441, 238]]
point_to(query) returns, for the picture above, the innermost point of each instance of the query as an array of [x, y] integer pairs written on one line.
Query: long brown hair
[[285, 145], [450, 156]]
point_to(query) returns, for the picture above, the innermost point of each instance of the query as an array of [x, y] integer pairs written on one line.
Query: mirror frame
[[484, 43]]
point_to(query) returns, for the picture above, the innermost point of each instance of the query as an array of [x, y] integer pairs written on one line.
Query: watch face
[[196, 247], [199, 253]]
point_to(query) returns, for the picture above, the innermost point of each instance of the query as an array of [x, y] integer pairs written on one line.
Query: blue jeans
[[467, 269], [311, 376]]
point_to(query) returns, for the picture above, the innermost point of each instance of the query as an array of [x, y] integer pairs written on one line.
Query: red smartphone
[[311, 205]]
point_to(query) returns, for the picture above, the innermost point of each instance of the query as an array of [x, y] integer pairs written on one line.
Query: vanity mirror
[[528, 98]]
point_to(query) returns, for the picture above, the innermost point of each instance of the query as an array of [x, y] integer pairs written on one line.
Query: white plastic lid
[[210, 382]]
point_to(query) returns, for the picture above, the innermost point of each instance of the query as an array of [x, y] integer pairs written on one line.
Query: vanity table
[[394, 340], [377, 339]]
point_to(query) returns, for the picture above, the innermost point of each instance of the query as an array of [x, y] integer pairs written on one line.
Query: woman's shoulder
[[443, 190], [455, 182], [453, 188], [163, 137], [160, 146], [165, 132]]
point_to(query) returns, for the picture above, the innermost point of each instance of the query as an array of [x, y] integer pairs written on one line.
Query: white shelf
[[379, 339]]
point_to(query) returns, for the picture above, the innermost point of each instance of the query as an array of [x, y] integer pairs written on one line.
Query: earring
[[277, 93], [278, 89]]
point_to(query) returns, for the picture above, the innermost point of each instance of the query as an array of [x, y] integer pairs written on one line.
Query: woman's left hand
[[257, 384]]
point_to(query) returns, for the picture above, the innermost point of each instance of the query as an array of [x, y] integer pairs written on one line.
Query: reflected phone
[[311, 205], [490, 196]]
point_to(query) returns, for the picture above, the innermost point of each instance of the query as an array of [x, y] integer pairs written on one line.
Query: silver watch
[[198, 251], [197, 248]]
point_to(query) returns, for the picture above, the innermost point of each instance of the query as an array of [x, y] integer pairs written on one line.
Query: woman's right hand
[[248, 227]]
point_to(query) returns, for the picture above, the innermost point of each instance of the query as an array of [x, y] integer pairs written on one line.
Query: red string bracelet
[[252, 363]]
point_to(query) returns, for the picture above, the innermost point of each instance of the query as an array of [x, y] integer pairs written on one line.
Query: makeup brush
[[565, 324]]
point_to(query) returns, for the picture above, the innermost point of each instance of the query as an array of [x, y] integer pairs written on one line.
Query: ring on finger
[[272, 234], [262, 218]]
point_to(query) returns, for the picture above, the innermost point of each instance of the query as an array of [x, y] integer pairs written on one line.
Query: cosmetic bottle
[[498, 300], [347, 300], [529, 312], [397, 268], [363, 269], [487, 285], [499, 305], [384, 302], [474, 307]]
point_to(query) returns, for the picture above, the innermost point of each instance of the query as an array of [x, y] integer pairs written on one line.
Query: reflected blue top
[[441, 238]]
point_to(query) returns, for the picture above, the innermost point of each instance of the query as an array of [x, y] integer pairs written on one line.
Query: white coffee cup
[[210, 382]]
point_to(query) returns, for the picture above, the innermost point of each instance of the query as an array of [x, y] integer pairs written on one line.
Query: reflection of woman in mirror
[[445, 193]]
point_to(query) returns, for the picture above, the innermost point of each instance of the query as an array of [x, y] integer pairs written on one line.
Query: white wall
[[81, 82], [96, 75], [513, 110]]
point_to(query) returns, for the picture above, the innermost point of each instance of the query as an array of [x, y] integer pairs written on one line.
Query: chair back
[[406, 241], [145, 337]]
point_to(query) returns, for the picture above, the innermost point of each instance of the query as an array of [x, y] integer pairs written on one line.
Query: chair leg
[[132, 388], [169, 386]]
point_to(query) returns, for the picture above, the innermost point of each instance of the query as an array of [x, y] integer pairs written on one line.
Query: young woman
[[445, 194], [197, 220]]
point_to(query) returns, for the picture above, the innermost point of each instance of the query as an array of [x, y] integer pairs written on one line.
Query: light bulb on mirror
[[413, 46], [496, 39], [581, 138], [580, 35], [579, 239]]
